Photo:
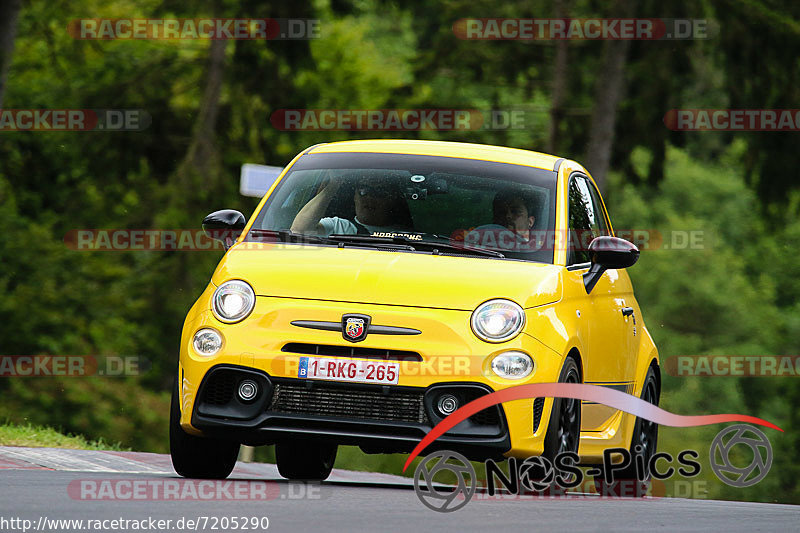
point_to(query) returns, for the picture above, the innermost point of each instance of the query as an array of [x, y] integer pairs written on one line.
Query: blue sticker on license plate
[[303, 371]]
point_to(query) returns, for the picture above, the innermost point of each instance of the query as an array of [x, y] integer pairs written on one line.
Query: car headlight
[[207, 342], [497, 320], [233, 301], [512, 365]]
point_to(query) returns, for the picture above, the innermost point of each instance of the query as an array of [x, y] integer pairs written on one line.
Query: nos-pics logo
[[458, 483]]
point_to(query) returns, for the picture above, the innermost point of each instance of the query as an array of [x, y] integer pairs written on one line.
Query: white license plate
[[338, 369]]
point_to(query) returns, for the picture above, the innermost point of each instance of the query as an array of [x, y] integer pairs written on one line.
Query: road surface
[[43, 489]]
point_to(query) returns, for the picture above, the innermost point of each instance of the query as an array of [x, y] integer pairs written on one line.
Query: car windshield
[[417, 200]]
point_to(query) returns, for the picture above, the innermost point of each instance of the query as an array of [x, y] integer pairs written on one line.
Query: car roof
[[483, 152]]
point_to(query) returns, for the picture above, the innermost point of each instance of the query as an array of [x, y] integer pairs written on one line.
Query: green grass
[[45, 437]]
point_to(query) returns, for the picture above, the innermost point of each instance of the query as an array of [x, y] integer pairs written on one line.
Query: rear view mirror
[[225, 226], [608, 253]]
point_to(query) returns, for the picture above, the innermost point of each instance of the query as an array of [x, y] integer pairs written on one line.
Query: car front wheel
[[198, 457], [305, 460], [564, 429]]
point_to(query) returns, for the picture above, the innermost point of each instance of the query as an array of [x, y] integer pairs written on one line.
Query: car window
[[586, 221], [503, 207], [597, 207]]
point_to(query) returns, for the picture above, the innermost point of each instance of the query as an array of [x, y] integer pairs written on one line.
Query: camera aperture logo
[[449, 499], [719, 455]]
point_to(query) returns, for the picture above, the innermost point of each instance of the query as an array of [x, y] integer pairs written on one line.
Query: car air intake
[[219, 389], [321, 400], [351, 351], [538, 407]]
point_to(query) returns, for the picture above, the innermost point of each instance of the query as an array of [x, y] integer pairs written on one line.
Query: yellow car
[[382, 284]]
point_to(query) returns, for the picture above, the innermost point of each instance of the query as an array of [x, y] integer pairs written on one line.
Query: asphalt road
[[45, 485]]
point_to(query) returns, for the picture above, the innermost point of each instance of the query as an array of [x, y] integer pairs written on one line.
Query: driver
[[378, 206]]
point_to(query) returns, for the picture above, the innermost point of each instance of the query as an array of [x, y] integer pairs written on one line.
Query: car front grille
[[351, 351], [321, 400]]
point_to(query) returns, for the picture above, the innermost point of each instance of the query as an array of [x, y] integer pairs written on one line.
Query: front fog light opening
[[447, 404], [248, 390], [512, 365], [207, 342]]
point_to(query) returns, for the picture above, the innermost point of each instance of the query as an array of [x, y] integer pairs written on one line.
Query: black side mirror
[[608, 252], [225, 226]]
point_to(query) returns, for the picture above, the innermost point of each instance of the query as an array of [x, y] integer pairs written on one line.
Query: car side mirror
[[608, 253], [225, 226]]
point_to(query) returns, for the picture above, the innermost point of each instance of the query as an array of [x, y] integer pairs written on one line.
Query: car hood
[[371, 276]]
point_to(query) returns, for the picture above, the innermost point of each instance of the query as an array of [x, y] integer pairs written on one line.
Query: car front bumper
[[378, 418], [448, 356]]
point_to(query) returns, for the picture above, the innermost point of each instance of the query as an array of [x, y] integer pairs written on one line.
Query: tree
[[9, 11], [609, 92]]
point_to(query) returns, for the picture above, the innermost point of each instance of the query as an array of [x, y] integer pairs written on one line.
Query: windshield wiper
[[410, 244], [393, 243], [289, 236], [461, 248]]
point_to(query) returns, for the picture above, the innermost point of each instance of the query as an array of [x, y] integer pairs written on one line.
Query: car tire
[[564, 429], [305, 460], [629, 482], [198, 457]]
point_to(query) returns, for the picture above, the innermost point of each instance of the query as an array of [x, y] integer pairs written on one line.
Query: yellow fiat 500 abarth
[[380, 285]]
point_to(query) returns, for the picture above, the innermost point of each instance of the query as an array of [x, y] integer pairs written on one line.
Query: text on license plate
[[349, 370]]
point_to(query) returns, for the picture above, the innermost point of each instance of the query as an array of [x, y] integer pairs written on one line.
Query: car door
[[621, 306], [608, 361]]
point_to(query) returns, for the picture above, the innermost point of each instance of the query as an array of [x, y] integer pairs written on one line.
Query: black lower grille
[[489, 416], [538, 407], [396, 406], [220, 388]]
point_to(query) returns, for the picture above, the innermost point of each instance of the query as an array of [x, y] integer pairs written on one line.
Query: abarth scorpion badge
[[355, 327]]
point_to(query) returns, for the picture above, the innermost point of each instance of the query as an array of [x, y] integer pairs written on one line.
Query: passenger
[[510, 210], [511, 227]]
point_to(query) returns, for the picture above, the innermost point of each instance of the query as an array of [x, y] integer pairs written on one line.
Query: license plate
[[349, 370]]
